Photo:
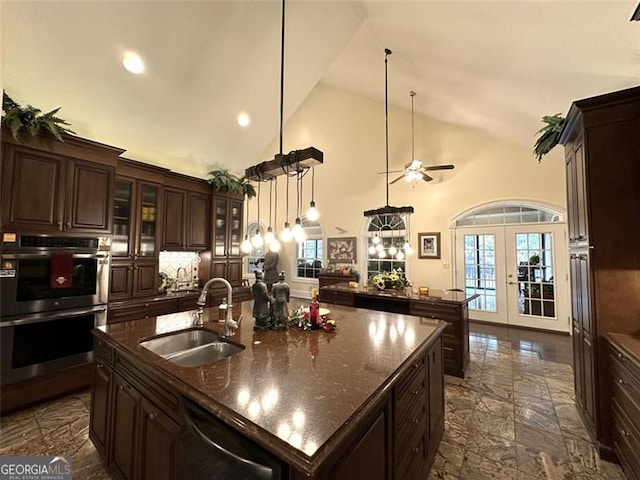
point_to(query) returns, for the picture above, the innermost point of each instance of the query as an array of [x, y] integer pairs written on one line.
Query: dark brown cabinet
[[49, 188], [625, 382], [136, 437], [134, 268], [226, 257], [603, 173], [186, 220]]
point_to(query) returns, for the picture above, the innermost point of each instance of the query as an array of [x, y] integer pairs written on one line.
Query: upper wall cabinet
[[186, 222], [50, 186]]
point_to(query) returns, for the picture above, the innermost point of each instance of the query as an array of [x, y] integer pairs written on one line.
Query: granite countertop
[[295, 392], [629, 343], [443, 296]]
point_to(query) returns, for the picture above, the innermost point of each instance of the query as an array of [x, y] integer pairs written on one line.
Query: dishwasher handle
[[257, 470]]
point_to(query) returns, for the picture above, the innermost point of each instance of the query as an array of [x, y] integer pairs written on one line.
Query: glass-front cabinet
[[135, 219], [227, 237]]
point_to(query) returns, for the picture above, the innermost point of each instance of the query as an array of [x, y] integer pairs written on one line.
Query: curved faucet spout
[[230, 324]]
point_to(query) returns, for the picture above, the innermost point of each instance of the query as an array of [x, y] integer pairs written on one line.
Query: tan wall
[[349, 129]]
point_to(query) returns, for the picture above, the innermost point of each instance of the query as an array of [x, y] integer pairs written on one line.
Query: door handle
[[511, 283]]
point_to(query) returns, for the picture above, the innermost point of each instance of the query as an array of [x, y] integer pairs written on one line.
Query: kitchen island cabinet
[[450, 306], [365, 399]]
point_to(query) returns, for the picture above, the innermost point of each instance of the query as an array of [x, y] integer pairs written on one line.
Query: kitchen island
[[448, 305], [364, 401]]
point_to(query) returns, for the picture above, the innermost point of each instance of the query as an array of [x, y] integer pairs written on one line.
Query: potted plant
[[28, 121], [225, 181], [549, 135]]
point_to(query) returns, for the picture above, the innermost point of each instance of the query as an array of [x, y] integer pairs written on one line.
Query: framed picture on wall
[[341, 250], [429, 245]]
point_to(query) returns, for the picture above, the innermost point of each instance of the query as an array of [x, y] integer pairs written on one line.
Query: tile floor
[[512, 417]]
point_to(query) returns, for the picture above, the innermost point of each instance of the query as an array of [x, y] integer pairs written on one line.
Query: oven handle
[[38, 256], [50, 316]]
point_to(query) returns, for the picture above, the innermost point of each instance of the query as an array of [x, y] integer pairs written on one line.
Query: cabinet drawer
[[138, 311], [411, 459], [435, 310], [626, 370], [102, 351], [626, 442], [187, 303], [337, 298]]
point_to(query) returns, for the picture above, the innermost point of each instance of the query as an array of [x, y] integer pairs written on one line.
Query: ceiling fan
[[415, 170]]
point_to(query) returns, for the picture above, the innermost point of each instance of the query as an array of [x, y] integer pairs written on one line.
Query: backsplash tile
[[173, 263]]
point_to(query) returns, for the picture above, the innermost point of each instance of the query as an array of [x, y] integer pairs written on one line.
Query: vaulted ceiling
[[496, 66]]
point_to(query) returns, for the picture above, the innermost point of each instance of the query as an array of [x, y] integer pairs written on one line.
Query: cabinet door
[[235, 228], [159, 441], [32, 190], [147, 227], [125, 428], [582, 231], [220, 226], [219, 268], [173, 222], [234, 271], [145, 278], [121, 281], [572, 200], [436, 389], [89, 194], [100, 401], [198, 221], [123, 219]]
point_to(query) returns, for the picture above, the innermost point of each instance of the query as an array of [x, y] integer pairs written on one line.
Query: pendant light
[[298, 232], [312, 213], [246, 246], [257, 241], [269, 236], [274, 246], [388, 210]]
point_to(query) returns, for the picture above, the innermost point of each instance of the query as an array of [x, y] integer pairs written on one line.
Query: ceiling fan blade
[[396, 180], [426, 177], [391, 171], [438, 167]]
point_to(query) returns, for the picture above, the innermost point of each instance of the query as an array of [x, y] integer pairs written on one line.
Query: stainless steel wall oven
[[53, 292]]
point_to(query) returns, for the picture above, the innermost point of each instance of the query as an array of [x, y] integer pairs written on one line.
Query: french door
[[518, 271]]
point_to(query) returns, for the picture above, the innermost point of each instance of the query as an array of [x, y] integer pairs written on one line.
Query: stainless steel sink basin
[[192, 348]]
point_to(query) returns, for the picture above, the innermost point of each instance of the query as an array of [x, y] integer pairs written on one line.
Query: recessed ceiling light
[[243, 119], [133, 63]]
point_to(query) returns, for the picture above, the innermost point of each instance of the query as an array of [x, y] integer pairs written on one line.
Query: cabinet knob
[[131, 268], [620, 356], [624, 433], [620, 381], [59, 223], [68, 224], [99, 365], [415, 392], [152, 415], [415, 450], [416, 421]]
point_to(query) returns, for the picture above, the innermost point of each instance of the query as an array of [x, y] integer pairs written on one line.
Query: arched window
[[310, 252], [386, 237], [507, 213], [255, 259]]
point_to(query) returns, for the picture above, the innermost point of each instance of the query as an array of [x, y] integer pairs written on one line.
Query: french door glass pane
[[480, 270], [536, 289]]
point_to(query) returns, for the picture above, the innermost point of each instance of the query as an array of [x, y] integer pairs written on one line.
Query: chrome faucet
[[230, 325]]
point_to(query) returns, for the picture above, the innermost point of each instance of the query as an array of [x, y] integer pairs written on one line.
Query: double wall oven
[[53, 292]]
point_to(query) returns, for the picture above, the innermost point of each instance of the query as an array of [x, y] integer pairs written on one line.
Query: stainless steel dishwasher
[[210, 449]]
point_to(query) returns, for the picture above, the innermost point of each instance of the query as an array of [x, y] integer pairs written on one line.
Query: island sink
[[192, 348]]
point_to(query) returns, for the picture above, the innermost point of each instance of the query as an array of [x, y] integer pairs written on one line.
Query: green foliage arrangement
[[393, 279], [223, 180], [30, 120], [549, 135]]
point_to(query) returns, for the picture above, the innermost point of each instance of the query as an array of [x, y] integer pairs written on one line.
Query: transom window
[[496, 214], [310, 252]]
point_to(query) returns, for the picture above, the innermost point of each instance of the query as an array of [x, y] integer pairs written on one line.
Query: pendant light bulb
[[372, 250], [382, 253], [298, 232], [400, 255], [274, 246], [376, 239], [257, 240], [246, 245], [393, 250], [379, 247], [408, 249], [312, 213], [286, 234], [269, 236]]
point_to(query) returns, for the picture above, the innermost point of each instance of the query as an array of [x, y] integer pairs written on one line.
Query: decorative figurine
[[271, 260], [261, 303], [280, 293]]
